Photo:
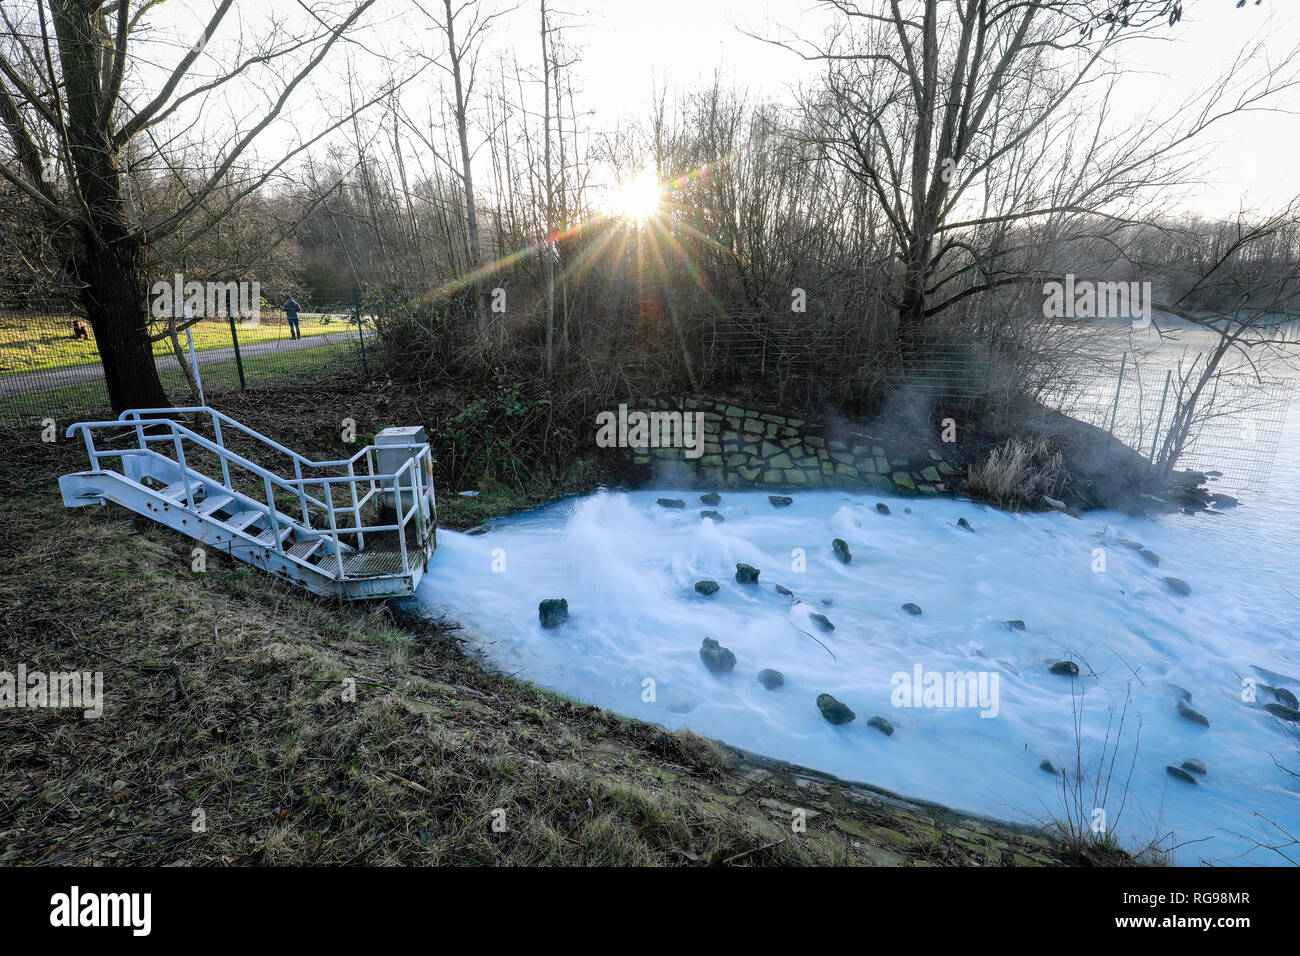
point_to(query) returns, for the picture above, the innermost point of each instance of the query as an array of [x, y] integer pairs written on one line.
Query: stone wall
[[755, 448]]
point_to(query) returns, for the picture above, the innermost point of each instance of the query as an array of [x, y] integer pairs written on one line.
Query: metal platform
[[310, 528]]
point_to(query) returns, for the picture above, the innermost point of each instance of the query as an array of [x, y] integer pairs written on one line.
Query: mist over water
[[628, 567]]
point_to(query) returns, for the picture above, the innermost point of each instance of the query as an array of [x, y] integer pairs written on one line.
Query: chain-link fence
[[50, 365]]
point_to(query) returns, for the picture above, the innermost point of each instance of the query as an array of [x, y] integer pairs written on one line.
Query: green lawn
[[44, 342], [300, 365]]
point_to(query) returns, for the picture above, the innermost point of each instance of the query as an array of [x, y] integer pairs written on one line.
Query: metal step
[[214, 503], [305, 548], [243, 519], [373, 561], [176, 491], [267, 537]]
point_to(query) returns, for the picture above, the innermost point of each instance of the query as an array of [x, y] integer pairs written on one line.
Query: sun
[[638, 198]]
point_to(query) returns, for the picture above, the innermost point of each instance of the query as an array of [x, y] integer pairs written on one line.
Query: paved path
[[25, 382]]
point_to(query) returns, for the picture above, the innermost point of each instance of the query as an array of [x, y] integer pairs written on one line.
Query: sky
[[627, 48]]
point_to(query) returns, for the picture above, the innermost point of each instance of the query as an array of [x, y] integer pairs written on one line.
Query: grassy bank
[[228, 704]]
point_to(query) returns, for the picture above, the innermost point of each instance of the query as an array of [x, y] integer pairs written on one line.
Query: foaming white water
[[628, 567]]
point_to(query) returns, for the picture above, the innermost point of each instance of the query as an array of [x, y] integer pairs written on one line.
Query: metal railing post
[[334, 531], [90, 449], [356, 510], [1160, 417], [225, 465], [401, 514], [271, 514], [297, 473], [180, 460], [1110, 432]]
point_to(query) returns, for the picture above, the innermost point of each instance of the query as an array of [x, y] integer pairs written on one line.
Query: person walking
[[291, 310]]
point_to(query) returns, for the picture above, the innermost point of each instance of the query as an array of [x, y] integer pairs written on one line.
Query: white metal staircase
[[314, 529]]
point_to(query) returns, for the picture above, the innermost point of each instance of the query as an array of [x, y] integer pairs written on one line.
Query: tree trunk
[[911, 307], [473, 250], [106, 255], [114, 300], [550, 205]]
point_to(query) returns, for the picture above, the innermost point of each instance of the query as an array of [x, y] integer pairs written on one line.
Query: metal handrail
[[177, 433], [218, 416]]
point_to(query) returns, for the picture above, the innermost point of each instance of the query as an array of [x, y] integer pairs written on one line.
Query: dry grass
[[1017, 474]]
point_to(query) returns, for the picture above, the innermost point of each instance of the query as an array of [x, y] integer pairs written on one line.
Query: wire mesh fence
[[50, 365], [1233, 429], [1232, 432]]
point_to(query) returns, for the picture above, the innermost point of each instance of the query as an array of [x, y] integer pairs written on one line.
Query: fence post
[[1114, 411], [356, 303], [234, 338], [1160, 417], [988, 375]]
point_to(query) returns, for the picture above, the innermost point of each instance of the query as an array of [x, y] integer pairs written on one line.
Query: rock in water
[[782, 589], [1178, 773], [1283, 696], [1151, 557], [882, 725], [771, 679], [1016, 625], [833, 710], [712, 498], [822, 621], [1065, 669], [707, 587], [882, 507], [963, 523], [1194, 716], [1045, 765], [1284, 712], [913, 609], [1178, 586], [780, 501], [1195, 766], [716, 516], [553, 612], [670, 502], [717, 658], [841, 548], [747, 574]]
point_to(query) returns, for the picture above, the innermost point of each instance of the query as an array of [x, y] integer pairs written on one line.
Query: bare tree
[[65, 102], [465, 28], [925, 101]]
